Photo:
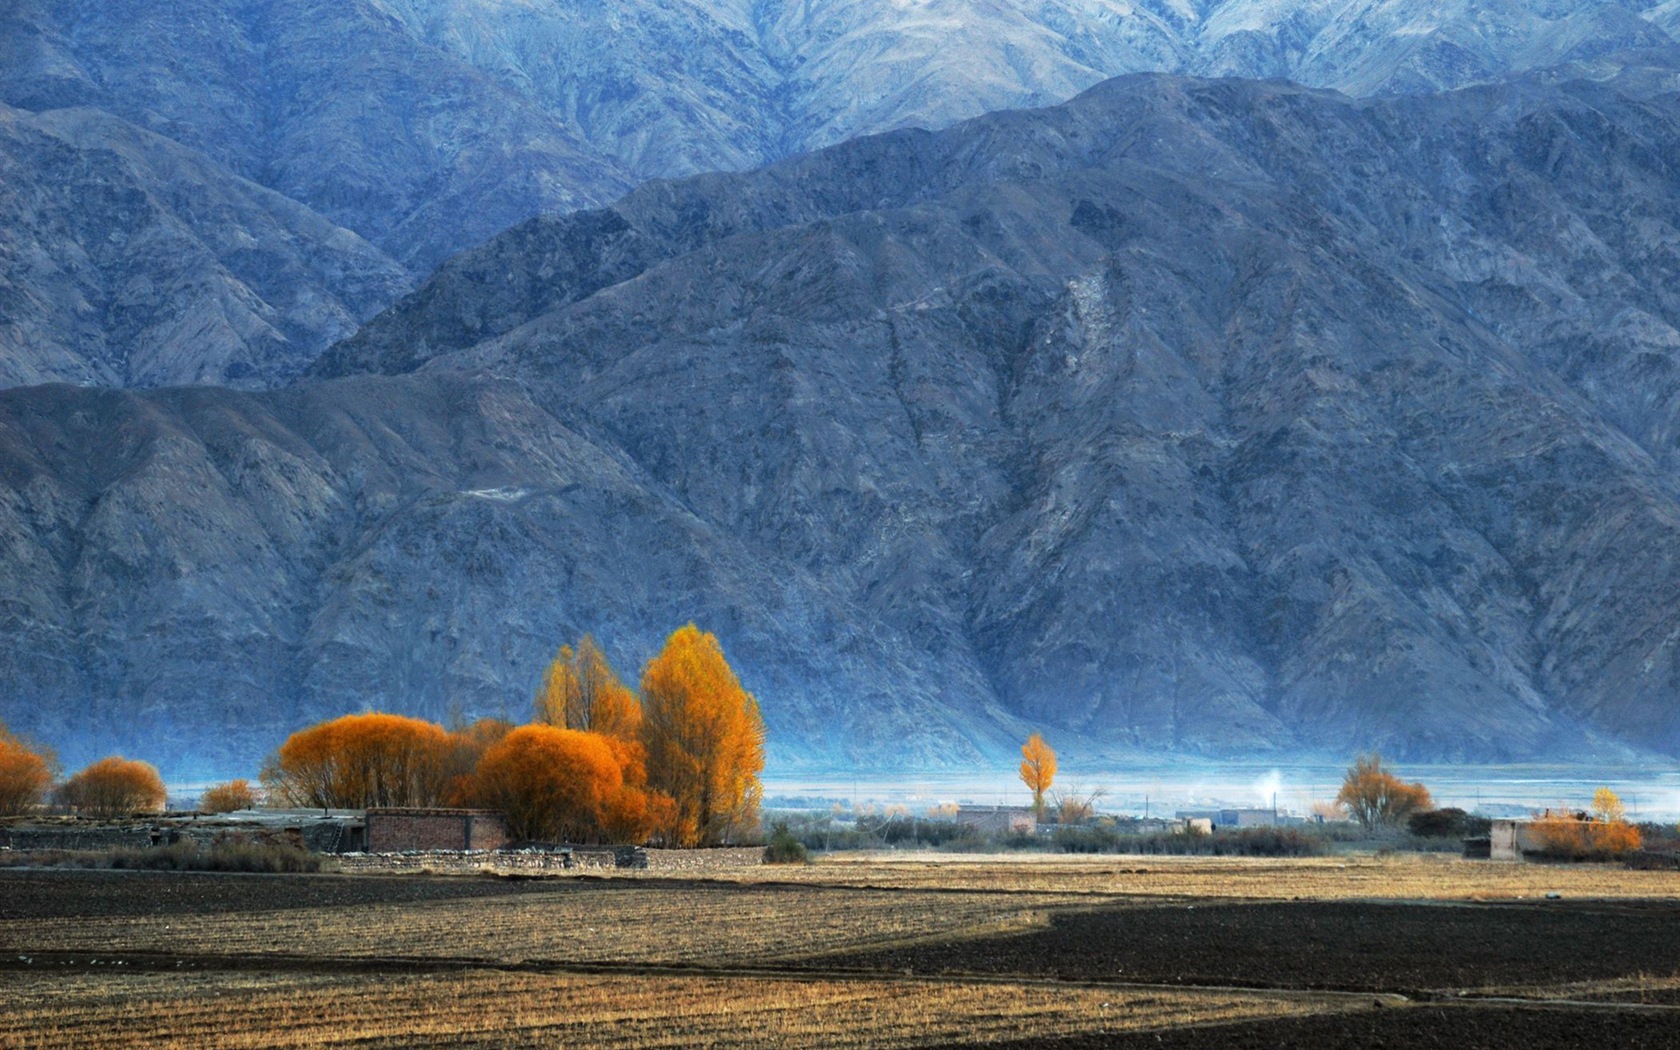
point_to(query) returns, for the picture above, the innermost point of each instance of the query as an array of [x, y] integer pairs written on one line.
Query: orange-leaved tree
[[704, 738], [26, 773], [1377, 798], [580, 691], [1602, 833], [467, 747], [564, 785], [225, 798], [1038, 770], [114, 787], [359, 761]]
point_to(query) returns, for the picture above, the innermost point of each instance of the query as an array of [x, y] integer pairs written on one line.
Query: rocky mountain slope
[[1223, 417], [425, 126], [130, 260]]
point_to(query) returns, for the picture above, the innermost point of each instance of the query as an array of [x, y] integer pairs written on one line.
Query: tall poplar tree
[[704, 738], [1038, 771], [580, 691]]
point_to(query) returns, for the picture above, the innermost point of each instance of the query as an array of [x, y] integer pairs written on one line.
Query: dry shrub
[[222, 856], [225, 798], [1579, 836], [115, 787]]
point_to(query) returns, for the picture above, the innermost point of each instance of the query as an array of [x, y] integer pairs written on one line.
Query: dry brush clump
[[234, 856]]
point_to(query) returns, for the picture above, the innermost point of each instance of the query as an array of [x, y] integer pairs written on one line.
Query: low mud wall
[[71, 837]]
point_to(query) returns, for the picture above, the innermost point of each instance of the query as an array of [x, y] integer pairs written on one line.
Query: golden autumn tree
[[1601, 833], [115, 787], [704, 738], [1377, 798], [26, 774], [564, 785], [468, 745], [225, 798], [359, 761], [580, 691], [1038, 771]]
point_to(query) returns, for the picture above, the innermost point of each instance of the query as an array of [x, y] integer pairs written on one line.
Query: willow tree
[[26, 773], [1377, 798], [580, 691], [115, 787], [704, 739], [565, 785], [366, 760]]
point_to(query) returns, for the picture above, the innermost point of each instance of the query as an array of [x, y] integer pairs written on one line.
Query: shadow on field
[[1413, 1028], [29, 894], [1357, 946]]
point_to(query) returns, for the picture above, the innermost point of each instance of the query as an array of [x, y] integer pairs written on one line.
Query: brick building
[[396, 830]]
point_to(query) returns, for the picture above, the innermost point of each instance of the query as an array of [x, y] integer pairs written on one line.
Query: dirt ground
[[1405, 948], [888, 953], [1423, 1028]]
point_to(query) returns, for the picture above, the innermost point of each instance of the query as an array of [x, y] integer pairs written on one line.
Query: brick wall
[[398, 830]]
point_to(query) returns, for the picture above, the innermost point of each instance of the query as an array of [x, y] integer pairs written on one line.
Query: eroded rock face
[[424, 127], [198, 572], [130, 260], [1219, 417]]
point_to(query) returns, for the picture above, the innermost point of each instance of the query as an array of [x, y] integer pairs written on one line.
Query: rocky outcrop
[[1207, 416], [130, 260]]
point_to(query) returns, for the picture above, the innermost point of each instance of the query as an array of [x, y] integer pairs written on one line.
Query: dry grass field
[[862, 951], [489, 1009], [1398, 876]]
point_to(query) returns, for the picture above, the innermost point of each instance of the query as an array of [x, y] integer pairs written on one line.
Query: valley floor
[[914, 950]]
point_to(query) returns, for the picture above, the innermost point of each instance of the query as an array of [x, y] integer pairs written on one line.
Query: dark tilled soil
[[33, 894], [1412, 1028], [1359, 946]]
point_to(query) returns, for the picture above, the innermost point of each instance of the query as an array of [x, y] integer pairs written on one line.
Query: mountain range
[[1225, 417], [399, 132]]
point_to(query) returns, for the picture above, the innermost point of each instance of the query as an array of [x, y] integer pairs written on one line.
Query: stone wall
[[451, 862], [580, 859], [704, 860]]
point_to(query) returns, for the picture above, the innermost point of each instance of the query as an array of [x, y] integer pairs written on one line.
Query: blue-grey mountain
[[425, 126], [1215, 416]]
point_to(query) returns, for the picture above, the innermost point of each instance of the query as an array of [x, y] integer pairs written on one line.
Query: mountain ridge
[[426, 126], [1203, 417]]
